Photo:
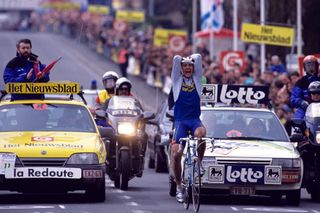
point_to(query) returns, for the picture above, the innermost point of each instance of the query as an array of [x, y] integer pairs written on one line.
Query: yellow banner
[[161, 36], [280, 36], [62, 5], [98, 9], [130, 16], [43, 88]]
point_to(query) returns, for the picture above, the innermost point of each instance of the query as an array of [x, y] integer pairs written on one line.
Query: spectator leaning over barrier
[[276, 65]]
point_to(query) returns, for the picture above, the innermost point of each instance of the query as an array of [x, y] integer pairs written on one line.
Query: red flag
[[46, 69]]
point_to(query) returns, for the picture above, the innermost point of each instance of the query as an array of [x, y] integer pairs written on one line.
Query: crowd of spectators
[[154, 63]]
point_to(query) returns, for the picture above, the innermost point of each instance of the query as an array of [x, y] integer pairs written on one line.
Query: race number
[[7, 161]]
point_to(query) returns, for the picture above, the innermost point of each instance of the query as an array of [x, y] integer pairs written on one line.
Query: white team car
[[251, 154]]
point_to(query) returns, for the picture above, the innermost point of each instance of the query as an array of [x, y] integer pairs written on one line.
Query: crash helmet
[[123, 83], [187, 60], [314, 87], [311, 65], [109, 75]]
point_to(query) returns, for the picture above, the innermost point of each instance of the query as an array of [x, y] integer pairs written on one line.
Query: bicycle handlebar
[[195, 138]]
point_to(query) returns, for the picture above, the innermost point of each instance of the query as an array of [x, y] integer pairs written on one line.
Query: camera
[[33, 57]]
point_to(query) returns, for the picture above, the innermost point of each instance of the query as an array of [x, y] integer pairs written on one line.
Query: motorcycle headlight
[[318, 137], [126, 128], [288, 163], [83, 158]]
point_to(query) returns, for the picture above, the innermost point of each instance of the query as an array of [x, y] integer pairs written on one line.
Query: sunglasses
[[315, 93], [124, 89]]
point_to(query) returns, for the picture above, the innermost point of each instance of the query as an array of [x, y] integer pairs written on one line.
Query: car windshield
[[45, 117], [243, 125]]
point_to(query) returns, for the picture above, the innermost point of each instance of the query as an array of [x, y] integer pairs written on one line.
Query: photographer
[[24, 68]]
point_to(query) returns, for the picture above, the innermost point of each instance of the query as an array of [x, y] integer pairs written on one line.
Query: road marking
[[275, 210], [62, 206], [315, 211], [27, 207], [132, 204], [234, 208], [126, 197], [141, 211]]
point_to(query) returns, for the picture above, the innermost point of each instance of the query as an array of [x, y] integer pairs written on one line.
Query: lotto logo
[[242, 95], [236, 174]]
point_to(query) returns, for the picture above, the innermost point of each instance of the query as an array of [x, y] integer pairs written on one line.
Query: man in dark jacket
[[24, 68], [300, 96]]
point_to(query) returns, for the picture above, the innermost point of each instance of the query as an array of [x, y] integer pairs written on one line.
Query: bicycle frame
[[191, 166]]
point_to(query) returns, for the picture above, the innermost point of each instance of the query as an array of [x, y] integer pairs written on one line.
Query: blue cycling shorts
[[182, 128]]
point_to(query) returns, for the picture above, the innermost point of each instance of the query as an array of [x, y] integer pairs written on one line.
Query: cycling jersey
[[186, 96]]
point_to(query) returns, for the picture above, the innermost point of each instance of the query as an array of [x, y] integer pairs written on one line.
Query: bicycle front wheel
[[196, 185], [186, 184]]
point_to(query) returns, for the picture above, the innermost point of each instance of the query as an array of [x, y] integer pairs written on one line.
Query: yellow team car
[[51, 145]]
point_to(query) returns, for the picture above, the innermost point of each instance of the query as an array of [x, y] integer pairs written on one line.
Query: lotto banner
[[239, 94]]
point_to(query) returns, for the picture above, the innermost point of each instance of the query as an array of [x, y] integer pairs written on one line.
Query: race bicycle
[[191, 171]]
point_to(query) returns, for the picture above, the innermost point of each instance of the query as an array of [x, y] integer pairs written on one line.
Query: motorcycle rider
[[186, 87], [300, 96], [314, 89], [109, 79]]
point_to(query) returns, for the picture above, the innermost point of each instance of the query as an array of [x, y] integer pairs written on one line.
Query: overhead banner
[[130, 16], [19, 4], [162, 37], [99, 9], [235, 94], [279, 36]]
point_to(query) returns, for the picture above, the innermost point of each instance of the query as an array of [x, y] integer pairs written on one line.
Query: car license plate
[[43, 172], [242, 190]]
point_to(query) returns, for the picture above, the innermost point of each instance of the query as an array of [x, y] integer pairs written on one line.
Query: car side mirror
[[100, 113], [169, 114], [106, 132], [298, 123], [297, 138], [153, 122], [147, 115]]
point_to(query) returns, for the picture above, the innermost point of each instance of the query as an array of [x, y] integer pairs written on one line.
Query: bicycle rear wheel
[[196, 185]]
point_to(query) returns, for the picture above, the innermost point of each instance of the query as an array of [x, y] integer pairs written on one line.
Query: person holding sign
[[186, 87], [25, 68]]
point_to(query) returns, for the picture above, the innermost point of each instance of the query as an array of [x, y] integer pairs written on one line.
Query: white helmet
[[109, 75], [187, 60], [121, 82]]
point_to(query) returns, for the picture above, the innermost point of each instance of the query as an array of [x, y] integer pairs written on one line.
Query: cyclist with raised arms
[[186, 87]]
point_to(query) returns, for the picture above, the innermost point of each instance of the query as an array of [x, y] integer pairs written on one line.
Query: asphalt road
[[148, 194]]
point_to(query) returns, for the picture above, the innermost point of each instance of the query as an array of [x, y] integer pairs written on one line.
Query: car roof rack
[[50, 96]]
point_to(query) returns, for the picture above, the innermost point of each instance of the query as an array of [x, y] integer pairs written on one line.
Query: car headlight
[[126, 128], [318, 137], [288, 163], [83, 158]]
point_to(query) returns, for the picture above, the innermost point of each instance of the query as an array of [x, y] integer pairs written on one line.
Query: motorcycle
[[126, 148], [307, 134]]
